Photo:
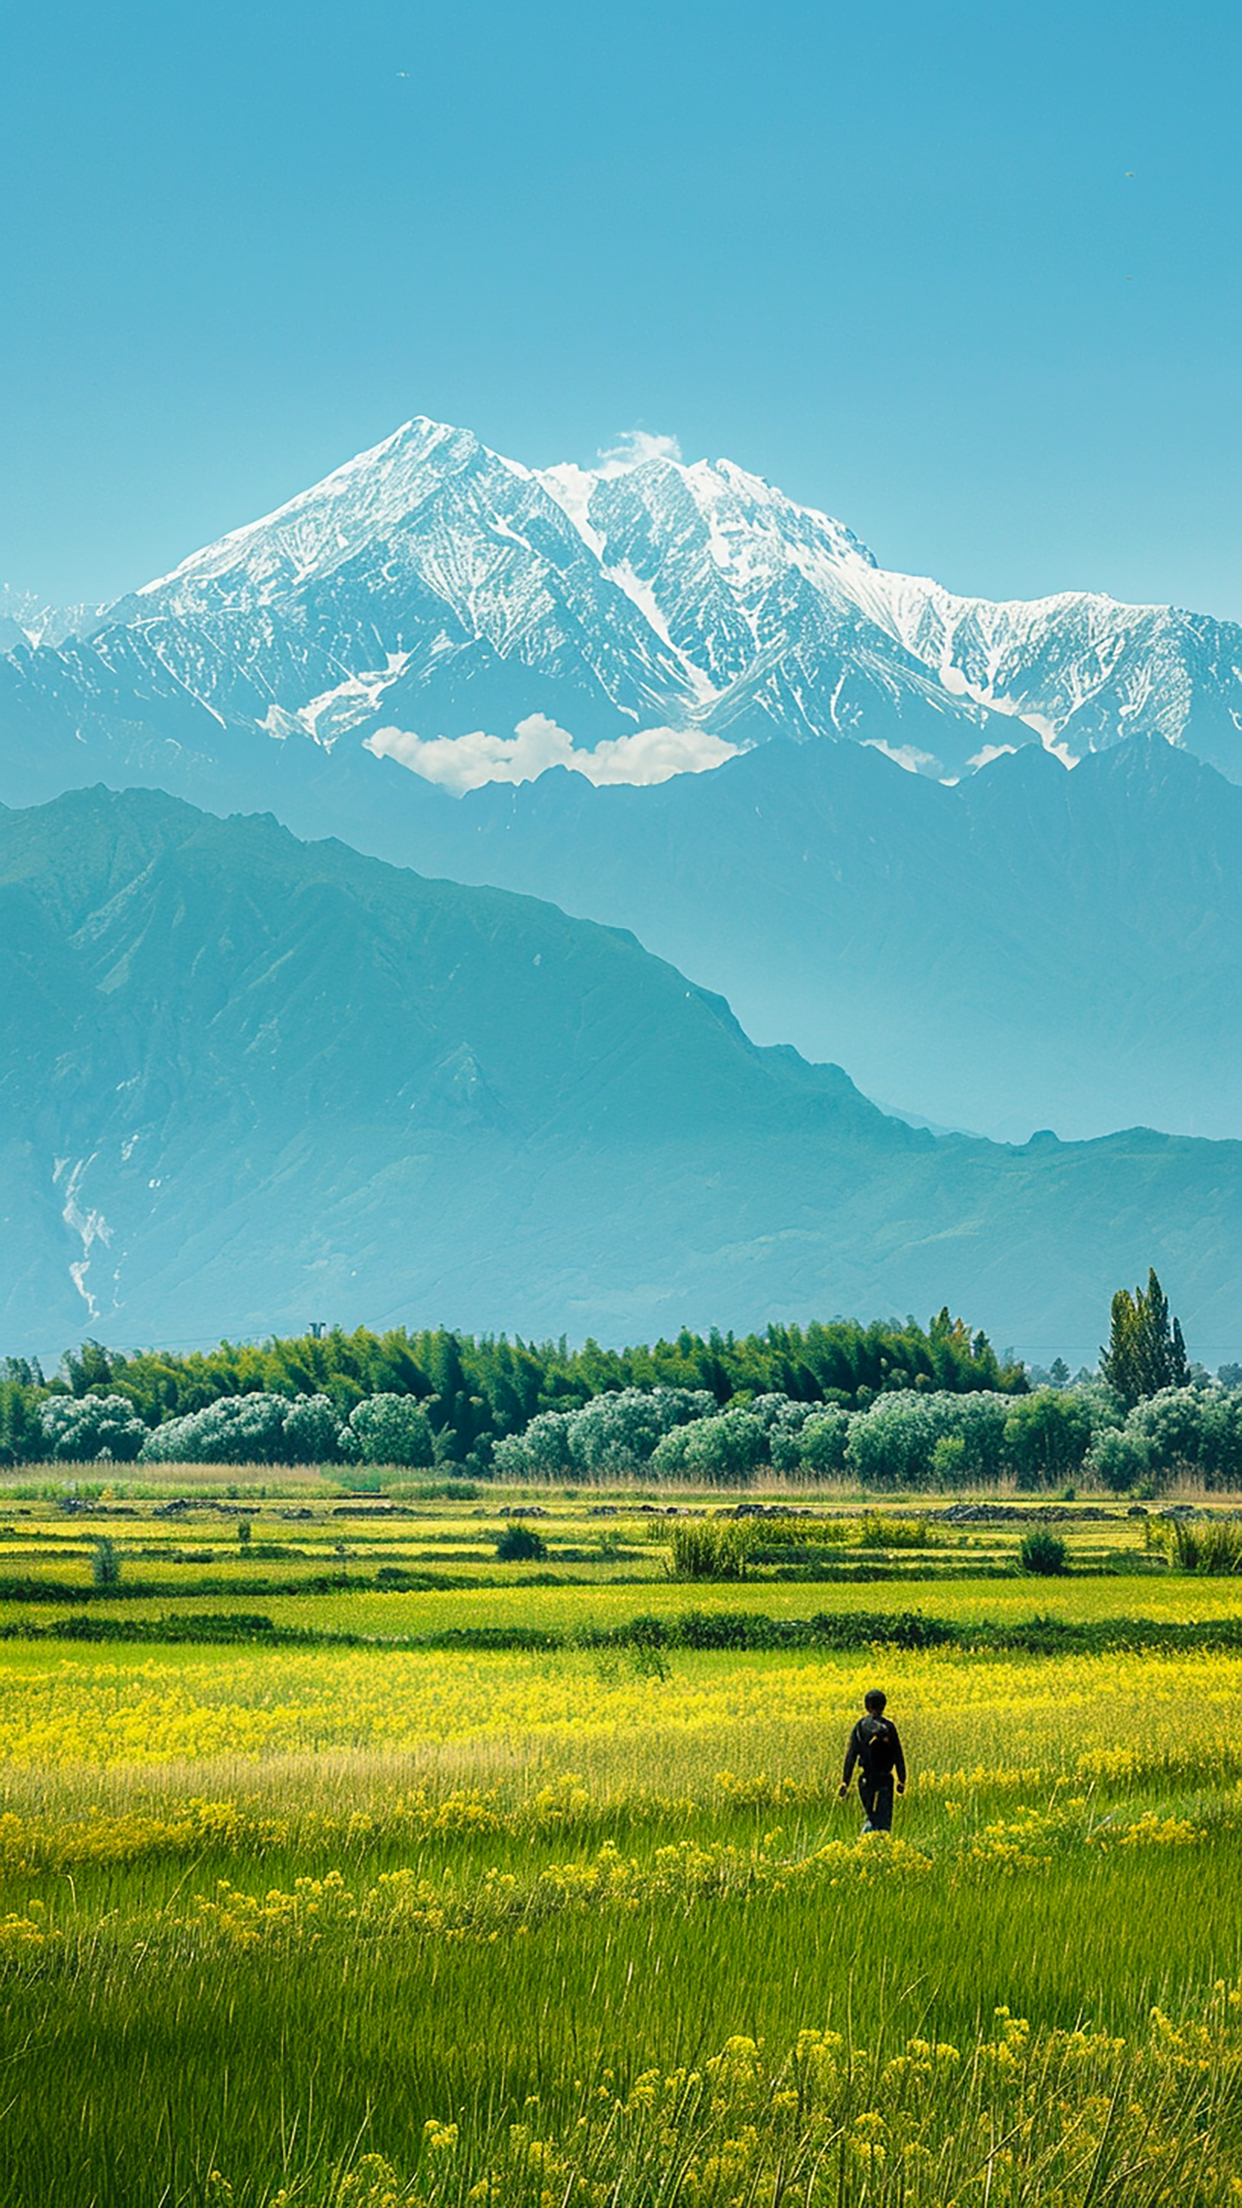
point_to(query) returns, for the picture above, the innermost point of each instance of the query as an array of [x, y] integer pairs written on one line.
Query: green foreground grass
[[589, 1926]]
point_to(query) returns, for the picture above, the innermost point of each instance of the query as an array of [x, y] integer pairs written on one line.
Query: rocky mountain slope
[[248, 1083], [431, 590]]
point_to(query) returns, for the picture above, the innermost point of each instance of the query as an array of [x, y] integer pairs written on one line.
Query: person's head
[[874, 1701]]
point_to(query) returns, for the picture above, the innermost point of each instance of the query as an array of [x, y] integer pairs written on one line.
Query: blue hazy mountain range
[[249, 1082], [1029, 948]]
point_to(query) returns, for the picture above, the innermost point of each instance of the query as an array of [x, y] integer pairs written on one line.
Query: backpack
[[875, 1746]]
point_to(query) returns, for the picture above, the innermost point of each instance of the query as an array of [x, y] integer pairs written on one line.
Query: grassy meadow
[[403, 1873]]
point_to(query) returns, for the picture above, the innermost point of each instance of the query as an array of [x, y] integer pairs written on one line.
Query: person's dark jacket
[[876, 1744]]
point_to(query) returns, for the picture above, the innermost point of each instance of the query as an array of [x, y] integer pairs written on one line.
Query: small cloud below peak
[[461, 763], [632, 449]]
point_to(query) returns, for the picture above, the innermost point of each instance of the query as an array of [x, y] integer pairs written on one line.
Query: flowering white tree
[[77, 1428], [618, 1432], [820, 1441], [726, 1448], [389, 1429], [541, 1453], [248, 1429]]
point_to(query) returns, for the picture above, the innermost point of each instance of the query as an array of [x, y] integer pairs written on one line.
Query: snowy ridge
[[432, 591], [314, 531]]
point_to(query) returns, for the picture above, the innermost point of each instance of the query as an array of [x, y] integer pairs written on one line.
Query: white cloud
[[461, 763], [990, 752], [1051, 742], [903, 755], [632, 448], [654, 754]]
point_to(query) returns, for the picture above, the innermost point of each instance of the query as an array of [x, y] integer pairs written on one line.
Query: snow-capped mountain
[[25, 619], [478, 620], [790, 617]]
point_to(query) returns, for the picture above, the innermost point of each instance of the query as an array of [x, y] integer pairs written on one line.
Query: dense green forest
[[887, 1406], [474, 1392]]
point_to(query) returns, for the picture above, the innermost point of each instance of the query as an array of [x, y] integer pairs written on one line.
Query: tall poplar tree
[[1145, 1350]]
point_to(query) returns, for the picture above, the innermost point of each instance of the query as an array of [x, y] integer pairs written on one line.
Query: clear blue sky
[[887, 254]]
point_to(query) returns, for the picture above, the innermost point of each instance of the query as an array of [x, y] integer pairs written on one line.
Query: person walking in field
[[875, 1746]]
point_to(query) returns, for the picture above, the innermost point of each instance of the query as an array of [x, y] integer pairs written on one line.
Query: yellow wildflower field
[[79, 1710], [575, 1926]]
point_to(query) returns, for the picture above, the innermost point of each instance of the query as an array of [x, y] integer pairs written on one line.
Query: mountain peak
[[431, 592], [375, 491]]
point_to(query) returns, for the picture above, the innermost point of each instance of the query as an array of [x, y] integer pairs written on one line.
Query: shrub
[[311, 1430], [891, 1445], [785, 1421], [615, 1433], [1102, 1404], [896, 1442], [822, 1441], [1046, 1437], [1043, 1554], [980, 1422], [391, 1429], [668, 1458], [1220, 1444], [1117, 1459], [519, 1544], [618, 1432], [106, 1563], [541, 1453], [949, 1459], [712, 1549], [78, 1428], [1190, 1430], [773, 1411], [1210, 1546], [785, 1448], [1169, 1429], [726, 1450]]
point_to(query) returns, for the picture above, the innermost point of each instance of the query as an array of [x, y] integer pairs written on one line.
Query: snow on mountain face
[[790, 613], [25, 619], [769, 601], [431, 593], [427, 565]]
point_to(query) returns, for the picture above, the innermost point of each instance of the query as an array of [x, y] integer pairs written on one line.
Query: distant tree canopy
[[889, 1408], [473, 1392], [1145, 1352], [1046, 1437]]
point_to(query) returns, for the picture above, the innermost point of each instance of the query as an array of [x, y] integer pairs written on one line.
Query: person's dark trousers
[[877, 1801]]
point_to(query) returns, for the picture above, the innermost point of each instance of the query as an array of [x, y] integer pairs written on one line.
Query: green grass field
[[347, 1922]]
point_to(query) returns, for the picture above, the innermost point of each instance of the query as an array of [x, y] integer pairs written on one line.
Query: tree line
[[887, 1406], [473, 1392]]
